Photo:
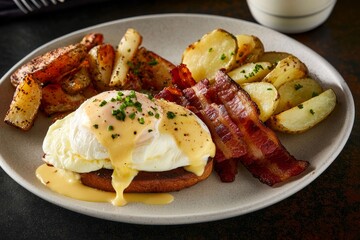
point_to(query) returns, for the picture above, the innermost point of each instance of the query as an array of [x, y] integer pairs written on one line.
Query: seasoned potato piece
[[265, 96], [250, 48], [25, 104], [214, 51], [125, 53], [273, 57], [101, 59], [92, 39], [296, 91], [52, 65], [250, 72], [287, 69], [152, 70], [306, 115], [55, 99], [78, 80]]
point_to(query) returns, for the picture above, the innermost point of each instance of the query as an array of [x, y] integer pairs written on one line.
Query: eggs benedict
[[125, 141]]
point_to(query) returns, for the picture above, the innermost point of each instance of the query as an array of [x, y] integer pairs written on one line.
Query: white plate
[[169, 35]]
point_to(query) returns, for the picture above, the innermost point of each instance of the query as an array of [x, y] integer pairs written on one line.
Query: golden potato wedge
[[250, 72], [250, 48], [52, 65], [125, 53], [296, 91], [152, 70], [101, 60], [273, 57], [215, 50], [55, 100], [92, 39], [306, 115], [265, 96], [25, 104], [287, 69], [77, 80]]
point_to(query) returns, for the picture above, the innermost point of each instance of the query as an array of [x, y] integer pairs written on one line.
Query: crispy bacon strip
[[266, 158], [233, 120], [225, 133], [181, 77]]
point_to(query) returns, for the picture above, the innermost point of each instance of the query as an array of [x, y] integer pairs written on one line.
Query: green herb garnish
[[170, 115]]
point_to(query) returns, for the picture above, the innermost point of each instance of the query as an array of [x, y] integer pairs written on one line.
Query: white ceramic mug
[[291, 16]]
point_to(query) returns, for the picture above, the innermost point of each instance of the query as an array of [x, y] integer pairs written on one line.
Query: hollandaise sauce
[[68, 183], [137, 133], [123, 121]]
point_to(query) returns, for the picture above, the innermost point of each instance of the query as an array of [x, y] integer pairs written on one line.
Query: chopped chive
[[138, 106], [297, 86], [153, 62], [110, 128], [300, 106], [132, 115], [170, 115], [141, 120], [314, 94], [103, 103], [151, 97]]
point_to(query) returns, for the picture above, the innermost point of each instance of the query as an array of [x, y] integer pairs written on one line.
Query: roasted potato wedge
[[56, 100], [25, 104], [101, 60], [250, 48], [296, 91], [273, 57], [287, 69], [250, 72], [52, 65], [265, 96], [125, 53], [78, 80], [92, 39], [152, 70], [215, 50], [306, 115]]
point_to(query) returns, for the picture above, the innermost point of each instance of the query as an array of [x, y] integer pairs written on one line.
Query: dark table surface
[[329, 208]]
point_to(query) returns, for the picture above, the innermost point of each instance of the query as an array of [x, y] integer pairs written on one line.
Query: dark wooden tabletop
[[329, 208]]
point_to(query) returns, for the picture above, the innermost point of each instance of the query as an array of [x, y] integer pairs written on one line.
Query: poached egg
[[128, 132]]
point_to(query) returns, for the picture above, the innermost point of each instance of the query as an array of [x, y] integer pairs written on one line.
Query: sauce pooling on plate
[[68, 183], [128, 132]]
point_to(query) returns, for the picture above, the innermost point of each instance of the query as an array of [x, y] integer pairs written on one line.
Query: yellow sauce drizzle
[[68, 184]]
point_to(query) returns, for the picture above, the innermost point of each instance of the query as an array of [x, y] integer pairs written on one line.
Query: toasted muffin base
[[148, 182]]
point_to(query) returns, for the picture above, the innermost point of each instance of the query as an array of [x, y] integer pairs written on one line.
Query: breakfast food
[[234, 122], [215, 110], [129, 133]]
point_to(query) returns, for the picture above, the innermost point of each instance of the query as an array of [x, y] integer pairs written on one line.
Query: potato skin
[[52, 65], [215, 50], [306, 115], [56, 100], [101, 61], [25, 104]]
